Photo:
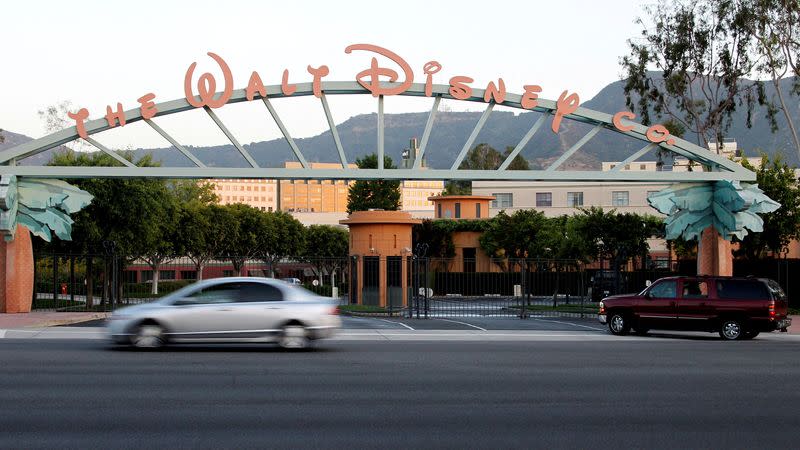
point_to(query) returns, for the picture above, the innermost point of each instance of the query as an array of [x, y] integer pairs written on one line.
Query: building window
[[574, 198], [166, 274], [439, 211], [544, 199], [620, 198], [188, 274], [477, 210], [458, 210], [642, 167], [503, 200]]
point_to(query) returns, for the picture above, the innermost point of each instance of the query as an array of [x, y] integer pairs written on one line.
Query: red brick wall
[[16, 273]]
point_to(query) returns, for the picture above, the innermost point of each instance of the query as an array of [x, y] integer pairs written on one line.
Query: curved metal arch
[[722, 169]]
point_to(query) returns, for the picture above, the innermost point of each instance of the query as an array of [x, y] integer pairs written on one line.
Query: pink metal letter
[[617, 120], [375, 72], [147, 108], [566, 104], [80, 117], [112, 117], [318, 73], [206, 85]]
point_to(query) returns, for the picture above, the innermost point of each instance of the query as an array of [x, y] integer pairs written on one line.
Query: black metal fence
[[518, 288], [410, 286], [103, 282]]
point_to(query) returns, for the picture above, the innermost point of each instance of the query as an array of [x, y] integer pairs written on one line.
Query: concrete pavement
[[39, 319]]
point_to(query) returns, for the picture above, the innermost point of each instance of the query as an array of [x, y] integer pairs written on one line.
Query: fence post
[[55, 280], [523, 298], [583, 289], [72, 278], [425, 296], [35, 281]]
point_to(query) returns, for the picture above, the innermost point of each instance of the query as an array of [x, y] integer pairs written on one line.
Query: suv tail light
[[772, 308]]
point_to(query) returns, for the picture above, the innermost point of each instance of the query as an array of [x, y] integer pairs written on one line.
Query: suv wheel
[[618, 324], [750, 334], [731, 329]]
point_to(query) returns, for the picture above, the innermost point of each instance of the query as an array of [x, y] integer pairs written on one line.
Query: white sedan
[[228, 310]]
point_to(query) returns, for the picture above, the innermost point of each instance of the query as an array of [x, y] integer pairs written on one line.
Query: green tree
[[327, 248], [483, 157], [203, 233], [437, 239], [243, 238], [281, 236], [700, 50], [524, 234], [779, 182], [132, 213], [774, 26], [374, 194], [617, 237]]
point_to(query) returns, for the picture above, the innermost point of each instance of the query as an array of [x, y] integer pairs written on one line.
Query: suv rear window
[[776, 290], [742, 290]]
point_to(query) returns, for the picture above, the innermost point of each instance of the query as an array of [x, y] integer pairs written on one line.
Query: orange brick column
[[714, 256], [16, 273]]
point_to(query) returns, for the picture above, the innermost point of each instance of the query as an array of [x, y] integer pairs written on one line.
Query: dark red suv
[[737, 308]]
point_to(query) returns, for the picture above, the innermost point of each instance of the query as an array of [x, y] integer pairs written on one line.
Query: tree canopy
[[779, 182], [693, 56], [374, 194], [483, 157]]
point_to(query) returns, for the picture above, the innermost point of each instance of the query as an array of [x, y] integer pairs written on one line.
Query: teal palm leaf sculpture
[[731, 207], [41, 205]]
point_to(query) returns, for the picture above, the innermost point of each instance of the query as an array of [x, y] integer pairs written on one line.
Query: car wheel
[[149, 336], [294, 337], [731, 329], [618, 324], [751, 334]]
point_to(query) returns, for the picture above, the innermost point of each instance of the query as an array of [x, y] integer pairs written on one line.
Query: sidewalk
[[39, 319]]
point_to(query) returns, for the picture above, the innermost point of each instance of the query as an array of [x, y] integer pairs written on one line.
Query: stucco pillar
[[16, 273], [714, 256]]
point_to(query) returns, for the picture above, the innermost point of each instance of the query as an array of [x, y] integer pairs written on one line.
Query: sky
[[97, 53]]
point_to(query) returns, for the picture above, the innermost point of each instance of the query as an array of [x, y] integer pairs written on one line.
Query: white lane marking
[[463, 323], [570, 323], [2, 334], [398, 323]]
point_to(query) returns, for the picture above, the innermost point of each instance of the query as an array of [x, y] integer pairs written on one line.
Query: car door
[[695, 307], [657, 308], [204, 313], [260, 310]]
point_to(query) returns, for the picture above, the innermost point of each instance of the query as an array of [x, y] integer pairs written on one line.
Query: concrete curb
[[44, 320], [68, 321]]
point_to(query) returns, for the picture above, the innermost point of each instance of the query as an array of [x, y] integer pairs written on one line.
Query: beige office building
[[257, 193], [317, 201]]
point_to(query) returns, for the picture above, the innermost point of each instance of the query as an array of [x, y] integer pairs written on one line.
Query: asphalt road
[[664, 392], [455, 323]]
